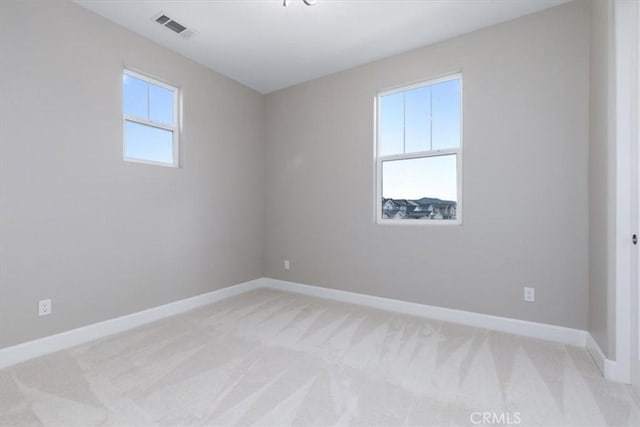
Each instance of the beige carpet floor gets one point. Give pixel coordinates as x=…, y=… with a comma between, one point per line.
x=277, y=359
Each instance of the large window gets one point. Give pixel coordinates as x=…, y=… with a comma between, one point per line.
x=150, y=120
x=419, y=153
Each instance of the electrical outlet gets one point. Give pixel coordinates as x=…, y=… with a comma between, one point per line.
x=44, y=307
x=530, y=294
x=287, y=265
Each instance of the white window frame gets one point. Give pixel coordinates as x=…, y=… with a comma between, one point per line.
x=417, y=155
x=175, y=129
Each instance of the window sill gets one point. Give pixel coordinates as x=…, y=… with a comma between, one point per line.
x=428, y=223
x=151, y=163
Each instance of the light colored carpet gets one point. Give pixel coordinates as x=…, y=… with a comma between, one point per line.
x=274, y=358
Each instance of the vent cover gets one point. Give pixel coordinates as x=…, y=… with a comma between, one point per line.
x=173, y=25
x=162, y=19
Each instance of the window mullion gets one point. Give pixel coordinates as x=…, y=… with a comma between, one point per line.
x=431, y=119
x=404, y=122
x=419, y=154
x=145, y=122
x=148, y=102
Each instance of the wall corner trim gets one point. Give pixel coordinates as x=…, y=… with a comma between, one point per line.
x=52, y=343
x=609, y=368
x=596, y=353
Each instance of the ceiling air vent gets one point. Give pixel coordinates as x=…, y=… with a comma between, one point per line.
x=162, y=19
x=174, y=26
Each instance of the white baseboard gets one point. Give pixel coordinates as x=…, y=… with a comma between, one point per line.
x=574, y=337
x=31, y=349
x=609, y=368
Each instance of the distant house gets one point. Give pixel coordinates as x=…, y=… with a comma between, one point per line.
x=420, y=208
x=388, y=205
x=400, y=215
x=389, y=208
x=424, y=208
x=405, y=206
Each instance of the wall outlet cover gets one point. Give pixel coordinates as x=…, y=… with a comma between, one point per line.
x=529, y=294
x=44, y=307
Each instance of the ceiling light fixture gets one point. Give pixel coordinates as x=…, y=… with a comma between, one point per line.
x=307, y=2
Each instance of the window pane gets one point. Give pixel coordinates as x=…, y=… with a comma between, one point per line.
x=148, y=143
x=161, y=105
x=391, y=126
x=446, y=114
x=423, y=188
x=134, y=97
x=417, y=119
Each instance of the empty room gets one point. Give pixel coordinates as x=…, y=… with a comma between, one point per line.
x=319, y=213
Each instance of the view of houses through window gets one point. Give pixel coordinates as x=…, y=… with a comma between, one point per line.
x=419, y=152
x=424, y=208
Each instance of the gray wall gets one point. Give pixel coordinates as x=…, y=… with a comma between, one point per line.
x=99, y=236
x=602, y=177
x=104, y=238
x=525, y=182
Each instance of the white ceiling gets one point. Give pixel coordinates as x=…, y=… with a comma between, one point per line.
x=267, y=47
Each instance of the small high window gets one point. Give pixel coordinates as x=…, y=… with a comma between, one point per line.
x=419, y=153
x=150, y=120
